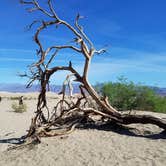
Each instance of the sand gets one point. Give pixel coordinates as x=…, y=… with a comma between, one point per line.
x=143, y=146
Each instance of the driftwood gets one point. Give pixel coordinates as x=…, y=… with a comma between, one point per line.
x=69, y=114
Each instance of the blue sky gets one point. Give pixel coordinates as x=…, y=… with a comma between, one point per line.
x=134, y=32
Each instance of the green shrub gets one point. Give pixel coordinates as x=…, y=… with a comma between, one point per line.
x=122, y=95
x=14, y=98
x=125, y=95
x=19, y=108
x=160, y=104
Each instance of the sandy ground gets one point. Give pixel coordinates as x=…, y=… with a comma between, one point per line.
x=143, y=146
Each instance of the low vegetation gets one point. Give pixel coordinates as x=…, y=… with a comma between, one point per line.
x=19, y=108
x=125, y=95
x=25, y=98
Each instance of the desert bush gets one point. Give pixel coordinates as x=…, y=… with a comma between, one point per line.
x=160, y=104
x=29, y=98
x=125, y=95
x=122, y=94
x=19, y=108
x=14, y=98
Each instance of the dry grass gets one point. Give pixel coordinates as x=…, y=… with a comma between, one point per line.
x=19, y=108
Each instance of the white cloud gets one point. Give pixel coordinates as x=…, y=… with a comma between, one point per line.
x=123, y=61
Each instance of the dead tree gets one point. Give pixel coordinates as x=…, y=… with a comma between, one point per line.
x=74, y=113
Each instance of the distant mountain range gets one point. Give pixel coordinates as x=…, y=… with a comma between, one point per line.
x=21, y=88
x=161, y=91
x=55, y=88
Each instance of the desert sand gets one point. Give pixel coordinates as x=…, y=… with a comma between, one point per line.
x=137, y=145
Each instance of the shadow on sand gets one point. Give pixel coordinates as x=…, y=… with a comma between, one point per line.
x=15, y=141
x=120, y=129
x=126, y=130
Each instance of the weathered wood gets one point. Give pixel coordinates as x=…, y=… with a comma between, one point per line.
x=144, y=119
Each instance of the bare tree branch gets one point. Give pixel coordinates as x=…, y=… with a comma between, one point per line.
x=41, y=9
x=101, y=51
x=26, y=2
x=52, y=10
x=52, y=57
x=82, y=32
x=64, y=47
x=34, y=22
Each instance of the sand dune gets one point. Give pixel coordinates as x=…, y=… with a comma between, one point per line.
x=143, y=146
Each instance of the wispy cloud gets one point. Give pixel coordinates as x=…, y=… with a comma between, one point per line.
x=11, y=50
x=137, y=65
x=16, y=59
x=132, y=63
